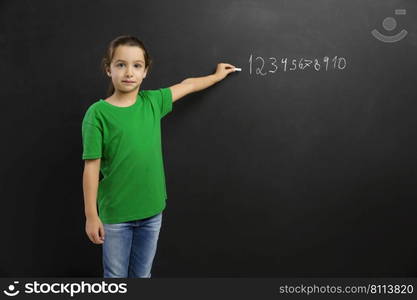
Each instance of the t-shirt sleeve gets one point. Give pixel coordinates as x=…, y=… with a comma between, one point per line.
x=163, y=98
x=92, y=137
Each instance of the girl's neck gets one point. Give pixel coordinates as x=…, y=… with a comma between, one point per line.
x=123, y=99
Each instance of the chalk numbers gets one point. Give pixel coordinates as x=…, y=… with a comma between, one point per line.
x=271, y=65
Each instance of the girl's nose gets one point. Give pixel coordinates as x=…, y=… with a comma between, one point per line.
x=129, y=71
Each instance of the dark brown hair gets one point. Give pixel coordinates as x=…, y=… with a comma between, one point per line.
x=126, y=40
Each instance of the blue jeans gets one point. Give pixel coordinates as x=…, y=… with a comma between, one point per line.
x=129, y=247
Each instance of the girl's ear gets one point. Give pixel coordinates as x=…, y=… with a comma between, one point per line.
x=108, y=71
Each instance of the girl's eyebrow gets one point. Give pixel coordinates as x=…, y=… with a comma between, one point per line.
x=125, y=61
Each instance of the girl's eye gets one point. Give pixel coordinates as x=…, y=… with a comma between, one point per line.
x=123, y=64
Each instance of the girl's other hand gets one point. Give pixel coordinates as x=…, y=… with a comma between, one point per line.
x=223, y=69
x=95, y=230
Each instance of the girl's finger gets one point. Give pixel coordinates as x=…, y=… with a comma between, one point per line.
x=96, y=238
x=91, y=237
x=102, y=232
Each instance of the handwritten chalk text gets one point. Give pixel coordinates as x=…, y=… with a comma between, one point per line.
x=271, y=65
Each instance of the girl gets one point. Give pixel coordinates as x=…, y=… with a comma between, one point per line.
x=122, y=139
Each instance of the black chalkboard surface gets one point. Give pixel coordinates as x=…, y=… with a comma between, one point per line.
x=302, y=164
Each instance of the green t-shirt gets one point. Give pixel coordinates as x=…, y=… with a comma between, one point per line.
x=128, y=140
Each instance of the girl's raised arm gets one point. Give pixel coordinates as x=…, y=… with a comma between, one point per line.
x=191, y=85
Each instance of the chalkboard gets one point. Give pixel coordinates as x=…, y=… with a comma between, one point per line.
x=302, y=164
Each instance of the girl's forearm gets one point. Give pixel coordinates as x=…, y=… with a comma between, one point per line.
x=201, y=83
x=90, y=187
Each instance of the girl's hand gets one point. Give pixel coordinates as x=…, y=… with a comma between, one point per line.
x=95, y=230
x=223, y=69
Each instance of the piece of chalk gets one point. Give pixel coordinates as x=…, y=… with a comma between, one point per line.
x=238, y=69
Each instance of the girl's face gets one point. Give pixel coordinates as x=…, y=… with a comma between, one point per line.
x=127, y=69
